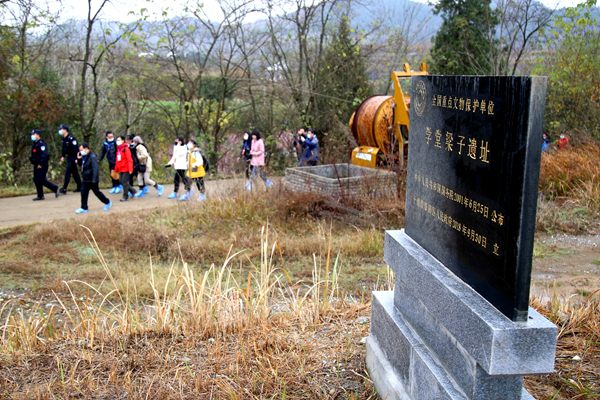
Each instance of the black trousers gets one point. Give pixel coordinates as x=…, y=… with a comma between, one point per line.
x=39, y=178
x=131, y=176
x=124, y=179
x=179, y=178
x=248, y=168
x=85, y=192
x=72, y=169
x=199, y=184
x=115, y=182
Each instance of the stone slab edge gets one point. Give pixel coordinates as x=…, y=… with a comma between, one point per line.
x=384, y=376
x=501, y=346
x=425, y=377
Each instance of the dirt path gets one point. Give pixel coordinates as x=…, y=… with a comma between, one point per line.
x=23, y=211
x=566, y=265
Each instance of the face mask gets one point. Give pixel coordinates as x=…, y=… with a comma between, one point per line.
x=245, y=137
x=190, y=146
x=83, y=153
x=60, y=133
x=119, y=142
x=562, y=136
x=110, y=140
x=33, y=137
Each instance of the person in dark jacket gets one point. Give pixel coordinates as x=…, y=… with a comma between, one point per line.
x=39, y=159
x=109, y=150
x=246, y=146
x=90, y=174
x=69, y=152
x=310, y=149
x=136, y=162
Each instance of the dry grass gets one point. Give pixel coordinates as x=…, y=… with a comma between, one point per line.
x=201, y=336
x=572, y=176
x=576, y=373
x=570, y=189
x=204, y=234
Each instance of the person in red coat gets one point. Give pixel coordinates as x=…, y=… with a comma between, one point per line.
x=124, y=166
x=562, y=142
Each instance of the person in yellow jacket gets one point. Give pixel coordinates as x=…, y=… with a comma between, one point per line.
x=195, y=171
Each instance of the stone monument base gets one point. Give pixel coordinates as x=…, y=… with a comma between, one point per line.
x=435, y=338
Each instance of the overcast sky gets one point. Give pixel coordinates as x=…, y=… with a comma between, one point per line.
x=118, y=10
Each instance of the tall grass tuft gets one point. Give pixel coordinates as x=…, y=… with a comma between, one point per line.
x=572, y=176
x=212, y=332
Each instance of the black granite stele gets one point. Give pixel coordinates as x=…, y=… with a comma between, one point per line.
x=472, y=182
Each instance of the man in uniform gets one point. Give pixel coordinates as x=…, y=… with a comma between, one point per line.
x=109, y=150
x=69, y=151
x=39, y=159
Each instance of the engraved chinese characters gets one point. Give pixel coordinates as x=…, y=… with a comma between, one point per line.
x=473, y=170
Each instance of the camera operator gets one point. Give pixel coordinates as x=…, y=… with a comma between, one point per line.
x=297, y=144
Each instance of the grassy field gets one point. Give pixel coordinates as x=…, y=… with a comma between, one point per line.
x=249, y=297
x=246, y=297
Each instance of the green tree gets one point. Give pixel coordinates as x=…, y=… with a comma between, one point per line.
x=466, y=42
x=29, y=95
x=573, y=101
x=344, y=84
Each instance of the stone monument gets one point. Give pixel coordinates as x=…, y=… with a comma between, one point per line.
x=458, y=324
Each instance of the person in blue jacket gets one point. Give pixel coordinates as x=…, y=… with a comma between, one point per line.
x=246, y=147
x=545, y=142
x=310, y=148
x=109, y=150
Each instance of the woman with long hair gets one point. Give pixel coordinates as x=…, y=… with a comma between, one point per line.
x=257, y=151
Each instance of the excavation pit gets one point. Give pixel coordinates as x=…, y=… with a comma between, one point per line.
x=341, y=180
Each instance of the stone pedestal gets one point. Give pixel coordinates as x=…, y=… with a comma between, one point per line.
x=435, y=338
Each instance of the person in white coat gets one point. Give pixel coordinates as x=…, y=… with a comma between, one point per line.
x=178, y=161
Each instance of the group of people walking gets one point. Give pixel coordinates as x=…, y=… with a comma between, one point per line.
x=127, y=157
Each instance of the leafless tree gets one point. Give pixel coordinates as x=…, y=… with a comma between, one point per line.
x=521, y=27
x=91, y=56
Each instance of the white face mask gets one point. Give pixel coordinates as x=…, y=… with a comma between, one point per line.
x=190, y=146
x=110, y=140
x=562, y=136
x=245, y=137
x=119, y=142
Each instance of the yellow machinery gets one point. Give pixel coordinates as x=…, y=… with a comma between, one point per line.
x=380, y=121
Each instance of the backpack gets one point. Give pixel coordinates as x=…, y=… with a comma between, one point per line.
x=136, y=163
x=205, y=163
